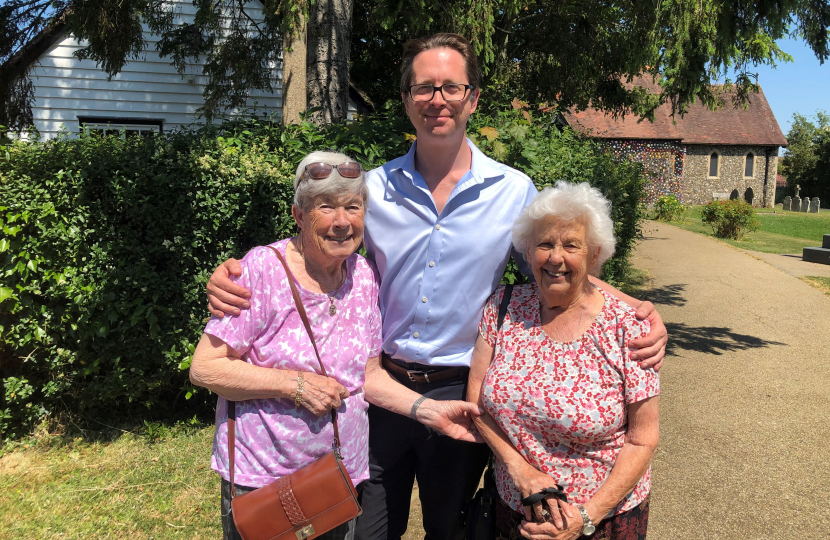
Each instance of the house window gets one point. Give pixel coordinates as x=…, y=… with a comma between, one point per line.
x=130, y=127
x=714, y=165
x=749, y=166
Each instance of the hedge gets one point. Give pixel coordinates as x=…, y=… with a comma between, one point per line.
x=107, y=244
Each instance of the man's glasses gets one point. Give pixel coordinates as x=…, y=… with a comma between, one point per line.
x=319, y=171
x=450, y=92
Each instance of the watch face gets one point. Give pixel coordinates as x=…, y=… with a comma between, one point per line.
x=588, y=529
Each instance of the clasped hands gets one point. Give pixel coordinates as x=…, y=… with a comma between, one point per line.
x=549, y=517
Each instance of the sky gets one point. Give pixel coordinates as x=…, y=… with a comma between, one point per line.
x=801, y=86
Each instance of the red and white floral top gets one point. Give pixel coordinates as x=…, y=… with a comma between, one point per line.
x=563, y=405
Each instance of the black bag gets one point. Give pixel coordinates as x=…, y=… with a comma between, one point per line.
x=481, y=512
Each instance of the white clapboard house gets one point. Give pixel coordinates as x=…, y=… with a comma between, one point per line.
x=148, y=96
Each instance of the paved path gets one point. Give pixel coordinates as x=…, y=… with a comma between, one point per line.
x=793, y=264
x=745, y=404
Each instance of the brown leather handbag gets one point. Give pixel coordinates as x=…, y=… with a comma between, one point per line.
x=306, y=503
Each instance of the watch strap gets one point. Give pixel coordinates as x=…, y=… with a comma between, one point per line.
x=588, y=526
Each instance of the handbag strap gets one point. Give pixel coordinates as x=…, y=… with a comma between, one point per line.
x=505, y=301
x=232, y=404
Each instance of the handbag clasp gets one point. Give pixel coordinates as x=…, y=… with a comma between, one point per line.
x=305, y=532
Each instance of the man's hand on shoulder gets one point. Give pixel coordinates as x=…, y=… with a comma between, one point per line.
x=650, y=349
x=452, y=418
x=224, y=296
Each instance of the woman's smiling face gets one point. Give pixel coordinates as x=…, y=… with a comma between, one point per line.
x=560, y=257
x=333, y=227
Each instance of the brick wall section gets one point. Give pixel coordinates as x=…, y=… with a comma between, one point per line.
x=698, y=187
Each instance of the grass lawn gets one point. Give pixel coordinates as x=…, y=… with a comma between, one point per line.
x=779, y=232
x=105, y=486
x=820, y=283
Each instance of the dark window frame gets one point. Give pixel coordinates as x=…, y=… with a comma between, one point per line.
x=119, y=122
x=717, y=156
x=749, y=161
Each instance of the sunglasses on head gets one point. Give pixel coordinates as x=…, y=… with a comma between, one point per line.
x=319, y=171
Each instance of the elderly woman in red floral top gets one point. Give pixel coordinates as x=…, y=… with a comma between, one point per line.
x=564, y=402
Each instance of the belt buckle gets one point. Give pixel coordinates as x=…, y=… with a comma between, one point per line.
x=411, y=373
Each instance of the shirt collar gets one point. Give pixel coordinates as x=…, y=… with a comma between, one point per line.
x=481, y=168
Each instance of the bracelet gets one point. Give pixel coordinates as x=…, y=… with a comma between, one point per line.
x=415, y=407
x=298, y=395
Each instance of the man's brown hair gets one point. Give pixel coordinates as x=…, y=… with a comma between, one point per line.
x=414, y=47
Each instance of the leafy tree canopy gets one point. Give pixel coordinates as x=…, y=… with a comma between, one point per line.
x=807, y=160
x=567, y=54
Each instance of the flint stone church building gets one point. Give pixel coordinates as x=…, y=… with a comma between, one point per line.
x=728, y=153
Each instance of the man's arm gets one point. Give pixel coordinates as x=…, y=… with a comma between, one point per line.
x=649, y=349
x=452, y=418
x=224, y=296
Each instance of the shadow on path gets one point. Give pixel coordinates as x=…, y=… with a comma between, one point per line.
x=668, y=295
x=711, y=340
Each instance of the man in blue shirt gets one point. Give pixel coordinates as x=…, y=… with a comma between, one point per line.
x=438, y=228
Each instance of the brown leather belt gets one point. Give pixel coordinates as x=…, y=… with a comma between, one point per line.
x=426, y=375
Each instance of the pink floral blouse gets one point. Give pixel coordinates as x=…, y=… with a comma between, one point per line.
x=563, y=405
x=273, y=437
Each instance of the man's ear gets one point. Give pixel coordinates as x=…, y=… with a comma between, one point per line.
x=474, y=99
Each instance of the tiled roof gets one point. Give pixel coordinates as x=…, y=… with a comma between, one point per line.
x=755, y=125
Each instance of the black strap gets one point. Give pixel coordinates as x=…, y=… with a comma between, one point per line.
x=543, y=494
x=505, y=300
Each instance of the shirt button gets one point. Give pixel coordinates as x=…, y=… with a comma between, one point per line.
x=431, y=264
x=438, y=227
x=424, y=299
x=415, y=335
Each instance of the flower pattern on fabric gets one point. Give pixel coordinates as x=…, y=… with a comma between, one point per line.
x=273, y=438
x=563, y=405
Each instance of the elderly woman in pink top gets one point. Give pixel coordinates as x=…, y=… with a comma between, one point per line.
x=565, y=403
x=263, y=359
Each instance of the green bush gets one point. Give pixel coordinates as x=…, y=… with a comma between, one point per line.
x=730, y=219
x=667, y=208
x=107, y=244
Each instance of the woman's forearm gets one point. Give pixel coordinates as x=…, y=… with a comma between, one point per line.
x=497, y=440
x=633, y=460
x=383, y=390
x=218, y=368
x=632, y=463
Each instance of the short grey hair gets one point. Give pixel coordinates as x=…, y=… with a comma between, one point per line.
x=306, y=192
x=570, y=202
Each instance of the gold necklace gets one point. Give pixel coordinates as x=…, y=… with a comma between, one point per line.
x=332, y=307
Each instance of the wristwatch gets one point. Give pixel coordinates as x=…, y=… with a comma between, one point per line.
x=587, y=525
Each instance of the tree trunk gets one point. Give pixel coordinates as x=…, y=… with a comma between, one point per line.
x=294, y=91
x=327, y=60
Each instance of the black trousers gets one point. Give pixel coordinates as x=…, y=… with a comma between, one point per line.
x=402, y=450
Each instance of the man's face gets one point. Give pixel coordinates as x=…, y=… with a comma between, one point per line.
x=439, y=118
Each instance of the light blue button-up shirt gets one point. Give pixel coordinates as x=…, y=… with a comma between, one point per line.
x=437, y=270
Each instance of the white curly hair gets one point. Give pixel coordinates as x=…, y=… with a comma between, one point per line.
x=570, y=202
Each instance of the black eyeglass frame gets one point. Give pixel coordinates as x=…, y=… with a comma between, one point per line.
x=467, y=88
x=307, y=172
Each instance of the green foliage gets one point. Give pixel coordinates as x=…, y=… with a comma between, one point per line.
x=566, y=53
x=730, y=219
x=107, y=244
x=807, y=159
x=668, y=208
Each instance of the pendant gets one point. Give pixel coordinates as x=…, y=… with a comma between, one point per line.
x=332, y=310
